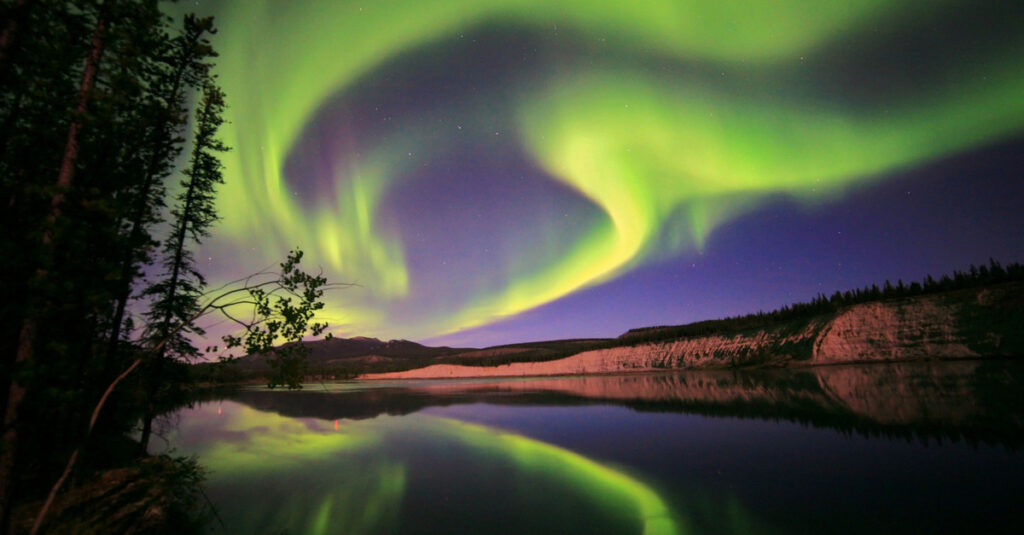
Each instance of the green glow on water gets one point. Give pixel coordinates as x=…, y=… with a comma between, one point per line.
x=267, y=442
x=593, y=478
x=367, y=501
x=353, y=480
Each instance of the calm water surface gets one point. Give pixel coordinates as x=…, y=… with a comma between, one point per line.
x=895, y=448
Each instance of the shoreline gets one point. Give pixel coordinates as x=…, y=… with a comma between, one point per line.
x=410, y=375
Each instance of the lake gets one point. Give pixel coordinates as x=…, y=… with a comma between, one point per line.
x=884, y=448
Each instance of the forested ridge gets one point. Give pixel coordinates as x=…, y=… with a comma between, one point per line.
x=973, y=277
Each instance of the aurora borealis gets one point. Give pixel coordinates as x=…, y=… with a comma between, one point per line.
x=505, y=170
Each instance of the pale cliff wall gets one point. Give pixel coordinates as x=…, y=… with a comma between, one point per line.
x=920, y=329
x=963, y=324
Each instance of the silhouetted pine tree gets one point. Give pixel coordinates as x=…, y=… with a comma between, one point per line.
x=82, y=86
x=165, y=114
x=175, y=298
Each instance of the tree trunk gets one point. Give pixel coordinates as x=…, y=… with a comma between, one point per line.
x=27, y=335
x=10, y=31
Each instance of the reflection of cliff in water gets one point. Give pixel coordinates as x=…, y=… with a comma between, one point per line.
x=976, y=401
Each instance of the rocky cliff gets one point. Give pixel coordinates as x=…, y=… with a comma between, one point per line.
x=971, y=323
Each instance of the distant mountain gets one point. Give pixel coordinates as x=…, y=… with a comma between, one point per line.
x=360, y=350
x=342, y=357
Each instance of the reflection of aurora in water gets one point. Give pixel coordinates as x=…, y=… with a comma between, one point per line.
x=351, y=480
x=592, y=477
x=516, y=463
x=635, y=118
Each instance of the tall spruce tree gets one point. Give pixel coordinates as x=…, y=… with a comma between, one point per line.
x=90, y=126
x=93, y=106
x=184, y=68
x=176, y=296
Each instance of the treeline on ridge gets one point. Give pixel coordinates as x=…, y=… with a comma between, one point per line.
x=974, y=276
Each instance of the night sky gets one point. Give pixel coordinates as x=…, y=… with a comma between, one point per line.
x=496, y=171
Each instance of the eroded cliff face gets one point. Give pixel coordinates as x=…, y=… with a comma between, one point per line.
x=921, y=329
x=702, y=352
x=963, y=324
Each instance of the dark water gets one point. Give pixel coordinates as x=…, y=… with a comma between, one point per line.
x=893, y=448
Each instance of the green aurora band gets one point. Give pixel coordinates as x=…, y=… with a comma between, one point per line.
x=665, y=159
